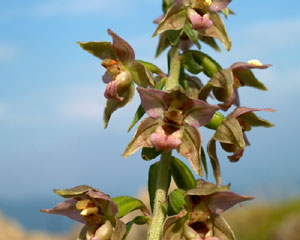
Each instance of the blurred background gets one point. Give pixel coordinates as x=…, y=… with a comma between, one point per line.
x=51, y=104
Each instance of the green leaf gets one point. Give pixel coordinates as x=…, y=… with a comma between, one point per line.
x=176, y=201
x=152, y=179
x=71, y=192
x=206, y=188
x=182, y=175
x=191, y=34
x=173, y=36
x=174, y=19
x=216, y=121
x=204, y=162
x=113, y=104
x=101, y=50
x=210, y=66
x=190, y=64
x=139, y=220
x=128, y=204
x=149, y=153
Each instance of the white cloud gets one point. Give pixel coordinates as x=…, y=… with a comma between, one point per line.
x=8, y=52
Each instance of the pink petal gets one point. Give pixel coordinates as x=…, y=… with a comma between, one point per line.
x=164, y=142
x=246, y=66
x=111, y=91
x=218, y=5
x=221, y=201
x=154, y=101
x=199, y=22
x=243, y=110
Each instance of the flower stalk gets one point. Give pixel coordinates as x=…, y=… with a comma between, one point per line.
x=173, y=79
x=156, y=223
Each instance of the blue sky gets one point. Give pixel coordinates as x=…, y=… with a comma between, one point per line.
x=51, y=96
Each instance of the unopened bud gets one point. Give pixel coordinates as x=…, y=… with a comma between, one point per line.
x=124, y=80
x=105, y=231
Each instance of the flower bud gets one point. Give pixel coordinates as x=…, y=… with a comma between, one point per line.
x=124, y=80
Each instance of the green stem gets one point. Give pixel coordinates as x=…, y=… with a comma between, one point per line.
x=156, y=223
x=173, y=79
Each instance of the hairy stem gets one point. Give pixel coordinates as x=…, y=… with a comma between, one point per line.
x=156, y=224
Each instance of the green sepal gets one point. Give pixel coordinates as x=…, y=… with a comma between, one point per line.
x=72, y=192
x=222, y=229
x=176, y=201
x=227, y=11
x=149, y=153
x=173, y=36
x=210, y=66
x=190, y=64
x=140, y=111
x=174, y=19
x=255, y=121
x=102, y=50
x=216, y=121
x=204, y=188
x=141, y=75
x=182, y=175
x=127, y=204
x=139, y=220
x=191, y=34
x=204, y=162
x=248, y=79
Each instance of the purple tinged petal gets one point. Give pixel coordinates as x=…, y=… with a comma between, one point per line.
x=124, y=51
x=221, y=201
x=218, y=5
x=243, y=110
x=236, y=156
x=66, y=208
x=154, y=101
x=164, y=142
x=246, y=66
x=111, y=91
x=106, y=78
x=199, y=22
x=198, y=113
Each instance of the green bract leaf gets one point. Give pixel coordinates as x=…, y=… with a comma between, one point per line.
x=182, y=175
x=71, y=192
x=176, y=201
x=174, y=19
x=113, y=104
x=163, y=43
x=206, y=188
x=152, y=179
x=142, y=136
x=150, y=153
x=191, y=34
x=101, y=50
x=139, y=220
x=128, y=204
x=173, y=36
x=190, y=148
x=222, y=228
x=210, y=66
x=152, y=68
x=217, y=30
x=190, y=64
